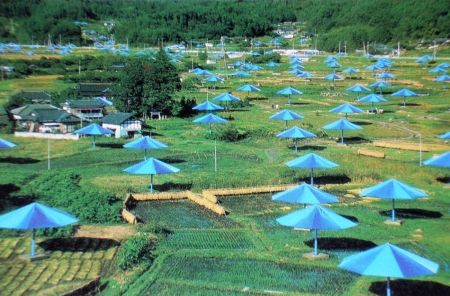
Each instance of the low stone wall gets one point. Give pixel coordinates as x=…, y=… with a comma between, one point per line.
x=160, y=196
x=248, y=190
x=206, y=203
x=47, y=136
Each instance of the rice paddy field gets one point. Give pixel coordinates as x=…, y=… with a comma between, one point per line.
x=247, y=252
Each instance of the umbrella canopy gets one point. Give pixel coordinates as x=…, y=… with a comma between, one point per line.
x=305, y=74
x=442, y=78
x=35, y=216
x=226, y=97
x=373, y=67
x=214, y=79
x=311, y=161
x=286, y=115
x=350, y=70
x=241, y=74
x=210, y=119
x=445, y=136
x=437, y=70
x=202, y=73
x=296, y=133
x=442, y=160
x=333, y=64
x=404, y=93
x=386, y=75
x=346, y=108
x=289, y=91
x=305, y=194
x=389, y=261
x=272, y=64
x=380, y=85
x=6, y=144
x=342, y=124
x=358, y=88
x=145, y=143
x=316, y=218
x=393, y=189
x=151, y=166
x=94, y=130
x=372, y=98
x=444, y=65
x=207, y=106
x=248, y=88
x=332, y=77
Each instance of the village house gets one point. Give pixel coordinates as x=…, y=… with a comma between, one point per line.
x=93, y=90
x=123, y=124
x=89, y=109
x=44, y=118
x=35, y=97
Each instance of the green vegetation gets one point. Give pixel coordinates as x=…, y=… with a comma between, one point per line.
x=135, y=250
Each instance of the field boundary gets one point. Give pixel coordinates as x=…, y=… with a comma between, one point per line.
x=207, y=199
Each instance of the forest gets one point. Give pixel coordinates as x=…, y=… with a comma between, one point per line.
x=151, y=21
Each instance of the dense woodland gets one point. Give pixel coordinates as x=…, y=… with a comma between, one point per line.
x=149, y=21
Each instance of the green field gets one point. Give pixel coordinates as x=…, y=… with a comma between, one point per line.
x=247, y=252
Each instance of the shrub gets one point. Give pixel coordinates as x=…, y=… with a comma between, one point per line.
x=229, y=133
x=135, y=250
x=184, y=107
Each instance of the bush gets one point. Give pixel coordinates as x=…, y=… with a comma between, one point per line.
x=135, y=250
x=184, y=107
x=229, y=133
x=265, y=58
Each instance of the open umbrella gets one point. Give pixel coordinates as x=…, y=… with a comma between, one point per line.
x=305, y=194
x=226, y=97
x=93, y=130
x=332, y=77
x=380, y=85
x=296, y=133
x=404, y=93
x=389, y=261
x=442, y=78
x=248, y=88
x=145, y=143
x=393, y=189
x=333, y=64
x=442, y=160
x=350, y=71
x=311, y=161
x=214, y=79
x=358, y=88
x=6, y=144
x=372, y=98
x=241, y=74
x=386, y=75
x=342, y=124
x=151, y=166
x=272, y=64
x=316, y=218
x=35, y=216
x=437, y=70
x=289, y=91
x=207, y=106
x=445, y=136
x=346, y=108
x=305, y=74
x=286, y=115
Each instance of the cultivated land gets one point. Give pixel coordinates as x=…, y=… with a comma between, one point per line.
x=247, y=252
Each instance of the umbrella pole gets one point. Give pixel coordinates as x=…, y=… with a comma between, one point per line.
x=215, y=155
x=342, y=136
x=312, y=181
x=151, y=183
x=404, y=102
x=145, y=154
x=346, y=115
x=393, y=210
x=315, y=242
x=295, y=143
x=33, y=243
x=286, y=122
x=388, y=287
x=289, y=99
x=93, y=143
x=210, y=129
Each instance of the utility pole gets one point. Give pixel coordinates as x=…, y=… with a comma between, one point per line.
x=339, y=52
x=345, y=48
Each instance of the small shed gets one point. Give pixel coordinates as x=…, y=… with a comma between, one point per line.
x=123, y=124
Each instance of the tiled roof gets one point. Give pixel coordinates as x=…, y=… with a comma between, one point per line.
x=44, y=113
x=85, y=104
x=117, y=118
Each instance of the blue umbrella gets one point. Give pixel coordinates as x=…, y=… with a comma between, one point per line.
x=210, y=119
x=350, y=70
x=214, y=79
x=442, y=160
x=296, y=133
x=380, y=85
x=296, y=67
x=311, y=161
x=151, y=166
x=346, y=108
x=296, y=71
x=241, y=74
x=305, y=194
x=332, y=77
x=35, y=216
x=393, y=189
x=442, y=78
x=226, y=97
x=286, y=115
x=404, y=93
x=203, y=73
x=305, y=74
x=444, y=65
x=389, y=261
x=374, y=68
x=6, y=144
x=93, y=130
x=425, y=59
x=289, y=91
x=145, y=143
x=437, y=70
x=386, y=75
x=445, y=136
x=342, y=124
x=372, y=98
x=272, y=64
x=316, y=218
x=207, y=106
x=358, y=88
x=333, y=64
x=248, y=88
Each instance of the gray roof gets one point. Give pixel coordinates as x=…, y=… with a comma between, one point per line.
x=117, y=118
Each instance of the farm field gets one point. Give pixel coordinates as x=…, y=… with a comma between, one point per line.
x=246, y=252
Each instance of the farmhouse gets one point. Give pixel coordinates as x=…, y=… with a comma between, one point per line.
x=44, y=118
x=36, y=97
x=89, y=109
x=123, y=124
x=92, y=90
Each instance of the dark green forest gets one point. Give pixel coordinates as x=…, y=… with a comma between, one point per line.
x=150, y=21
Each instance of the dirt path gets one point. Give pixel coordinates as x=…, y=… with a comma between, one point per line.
x=118, y=232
